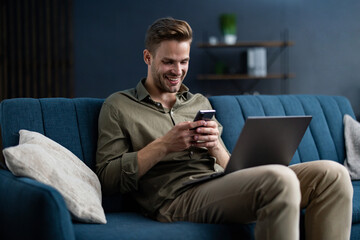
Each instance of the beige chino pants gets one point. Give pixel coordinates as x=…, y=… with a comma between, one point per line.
x=272, y=196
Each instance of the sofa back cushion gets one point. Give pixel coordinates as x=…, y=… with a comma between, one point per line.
x=69, y=122
x=73, y=122
x=324, y=138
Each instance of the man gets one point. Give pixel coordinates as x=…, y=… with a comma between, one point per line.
x=148, y=146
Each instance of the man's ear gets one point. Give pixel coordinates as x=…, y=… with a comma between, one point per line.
x=147, y=57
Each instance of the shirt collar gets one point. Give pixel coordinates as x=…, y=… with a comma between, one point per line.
x=142, y=93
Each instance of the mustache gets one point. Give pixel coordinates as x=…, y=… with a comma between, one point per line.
x=174, y=75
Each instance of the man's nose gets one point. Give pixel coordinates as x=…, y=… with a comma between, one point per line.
x=176, y=69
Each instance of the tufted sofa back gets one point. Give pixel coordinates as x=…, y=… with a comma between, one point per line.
x=324, y=138
x=70, y=122
x=73, y=122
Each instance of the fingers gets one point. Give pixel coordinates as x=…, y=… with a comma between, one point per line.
x=206, y=135
x=210, y=128
x=192, y=125
x=206, y=144
x=205, y=138
x=189, y=125
x=183, y=135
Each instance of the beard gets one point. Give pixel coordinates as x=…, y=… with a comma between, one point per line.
x=165, y=81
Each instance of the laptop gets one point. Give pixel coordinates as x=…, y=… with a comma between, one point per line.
x=263, y=140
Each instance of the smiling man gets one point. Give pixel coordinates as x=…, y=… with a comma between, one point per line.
x=168, y=67
x=149, y=146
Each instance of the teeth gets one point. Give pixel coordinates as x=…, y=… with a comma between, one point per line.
x=173, y=79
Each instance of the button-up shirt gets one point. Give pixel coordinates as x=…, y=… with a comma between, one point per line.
x=128, y=121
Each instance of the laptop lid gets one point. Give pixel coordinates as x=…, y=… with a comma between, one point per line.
x=267, y=140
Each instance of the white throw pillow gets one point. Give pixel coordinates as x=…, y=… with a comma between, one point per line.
x=46, y=161
x=352, y=145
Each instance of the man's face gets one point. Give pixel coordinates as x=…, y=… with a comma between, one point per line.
x=169, y=65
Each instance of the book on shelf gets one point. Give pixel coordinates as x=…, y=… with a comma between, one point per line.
x=256, y=62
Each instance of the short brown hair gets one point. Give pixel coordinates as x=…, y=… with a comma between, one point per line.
x=167, y=29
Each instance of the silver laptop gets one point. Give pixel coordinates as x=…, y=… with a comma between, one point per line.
x=263, y=140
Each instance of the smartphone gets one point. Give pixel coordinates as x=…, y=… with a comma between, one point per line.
x=204, y=115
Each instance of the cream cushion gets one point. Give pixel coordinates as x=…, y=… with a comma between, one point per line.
x=46, y=161
x=352, y=146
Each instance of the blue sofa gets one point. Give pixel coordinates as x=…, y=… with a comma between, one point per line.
x=32, y=210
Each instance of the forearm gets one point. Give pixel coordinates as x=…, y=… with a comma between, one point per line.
x=150, y=155
x=124, y=172
x=222, y=156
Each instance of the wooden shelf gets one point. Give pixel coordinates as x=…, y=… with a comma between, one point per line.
x=247, y=44
x=242, y=76
x=282, y=51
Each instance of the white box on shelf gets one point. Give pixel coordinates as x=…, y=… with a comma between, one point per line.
x=256, y=62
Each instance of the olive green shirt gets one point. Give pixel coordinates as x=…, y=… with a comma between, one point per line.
x=128, y=121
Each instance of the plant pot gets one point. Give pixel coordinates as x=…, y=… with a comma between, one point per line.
x=230, y=39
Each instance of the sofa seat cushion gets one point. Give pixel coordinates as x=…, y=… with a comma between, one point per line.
x=128, y=225
x=356, y=202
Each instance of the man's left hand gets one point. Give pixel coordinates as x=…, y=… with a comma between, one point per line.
x=207, y=135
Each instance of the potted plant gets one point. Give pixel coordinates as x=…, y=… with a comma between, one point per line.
x=228, y=27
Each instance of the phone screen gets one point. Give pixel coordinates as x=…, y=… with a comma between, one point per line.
x=204, y=115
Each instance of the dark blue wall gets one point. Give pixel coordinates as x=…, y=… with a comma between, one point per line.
x=109, y=39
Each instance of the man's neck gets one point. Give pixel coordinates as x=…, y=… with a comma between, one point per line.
x=166, y=99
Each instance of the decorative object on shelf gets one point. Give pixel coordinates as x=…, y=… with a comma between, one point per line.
x=228, y=27
x=213, y=40
x=256, y=62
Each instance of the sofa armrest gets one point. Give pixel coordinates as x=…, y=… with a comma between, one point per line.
x=32, y=210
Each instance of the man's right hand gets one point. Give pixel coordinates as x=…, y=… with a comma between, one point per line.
x=179, y=138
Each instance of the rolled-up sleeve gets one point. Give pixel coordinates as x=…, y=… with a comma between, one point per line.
x=116, y=165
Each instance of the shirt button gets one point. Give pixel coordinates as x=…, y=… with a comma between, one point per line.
x=191, y=153
x=158, y=104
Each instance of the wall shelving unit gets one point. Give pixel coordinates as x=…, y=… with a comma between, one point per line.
x=282, y=53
